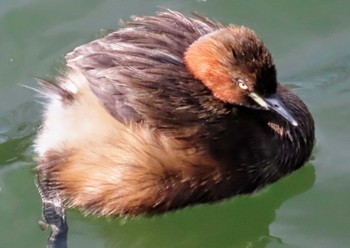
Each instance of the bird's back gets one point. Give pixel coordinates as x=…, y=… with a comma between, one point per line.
x=138, y=72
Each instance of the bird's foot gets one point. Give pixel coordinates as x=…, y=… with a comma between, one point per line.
x=54, y=216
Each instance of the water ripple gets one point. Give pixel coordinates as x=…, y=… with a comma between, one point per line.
x=17, y=129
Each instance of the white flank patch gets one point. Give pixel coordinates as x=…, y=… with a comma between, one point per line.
x=72, y=124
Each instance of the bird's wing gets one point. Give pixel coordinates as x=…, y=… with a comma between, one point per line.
x=138, y=73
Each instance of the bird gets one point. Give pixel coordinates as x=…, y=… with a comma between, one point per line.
x=166, y=112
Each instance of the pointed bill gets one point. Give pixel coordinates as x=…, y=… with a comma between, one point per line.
x=275, y=104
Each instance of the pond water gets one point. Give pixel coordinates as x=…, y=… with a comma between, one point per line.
x=310, y=44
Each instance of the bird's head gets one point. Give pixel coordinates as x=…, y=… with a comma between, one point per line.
x=237, y=67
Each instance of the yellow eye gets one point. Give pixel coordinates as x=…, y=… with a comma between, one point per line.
x=242, y=85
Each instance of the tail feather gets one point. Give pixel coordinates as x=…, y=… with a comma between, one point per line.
x=49, y=88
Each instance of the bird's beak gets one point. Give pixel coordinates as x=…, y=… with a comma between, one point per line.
x=275, y=104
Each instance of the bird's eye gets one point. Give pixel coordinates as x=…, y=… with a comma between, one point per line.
x=242, y=85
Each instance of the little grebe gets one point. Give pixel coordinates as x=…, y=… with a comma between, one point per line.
x=166, y=112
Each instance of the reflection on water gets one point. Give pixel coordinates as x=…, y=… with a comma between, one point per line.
x=309, y=42
x=241, y=222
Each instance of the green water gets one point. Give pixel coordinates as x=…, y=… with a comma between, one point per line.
x=310, y=44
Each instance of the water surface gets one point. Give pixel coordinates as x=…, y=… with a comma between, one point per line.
x=310, y=44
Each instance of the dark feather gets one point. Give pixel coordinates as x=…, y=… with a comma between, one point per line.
x=138, y=72
x=139, y=75
x=52, y=87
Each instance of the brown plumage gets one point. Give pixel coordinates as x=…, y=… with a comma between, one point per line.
x=166, y=112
